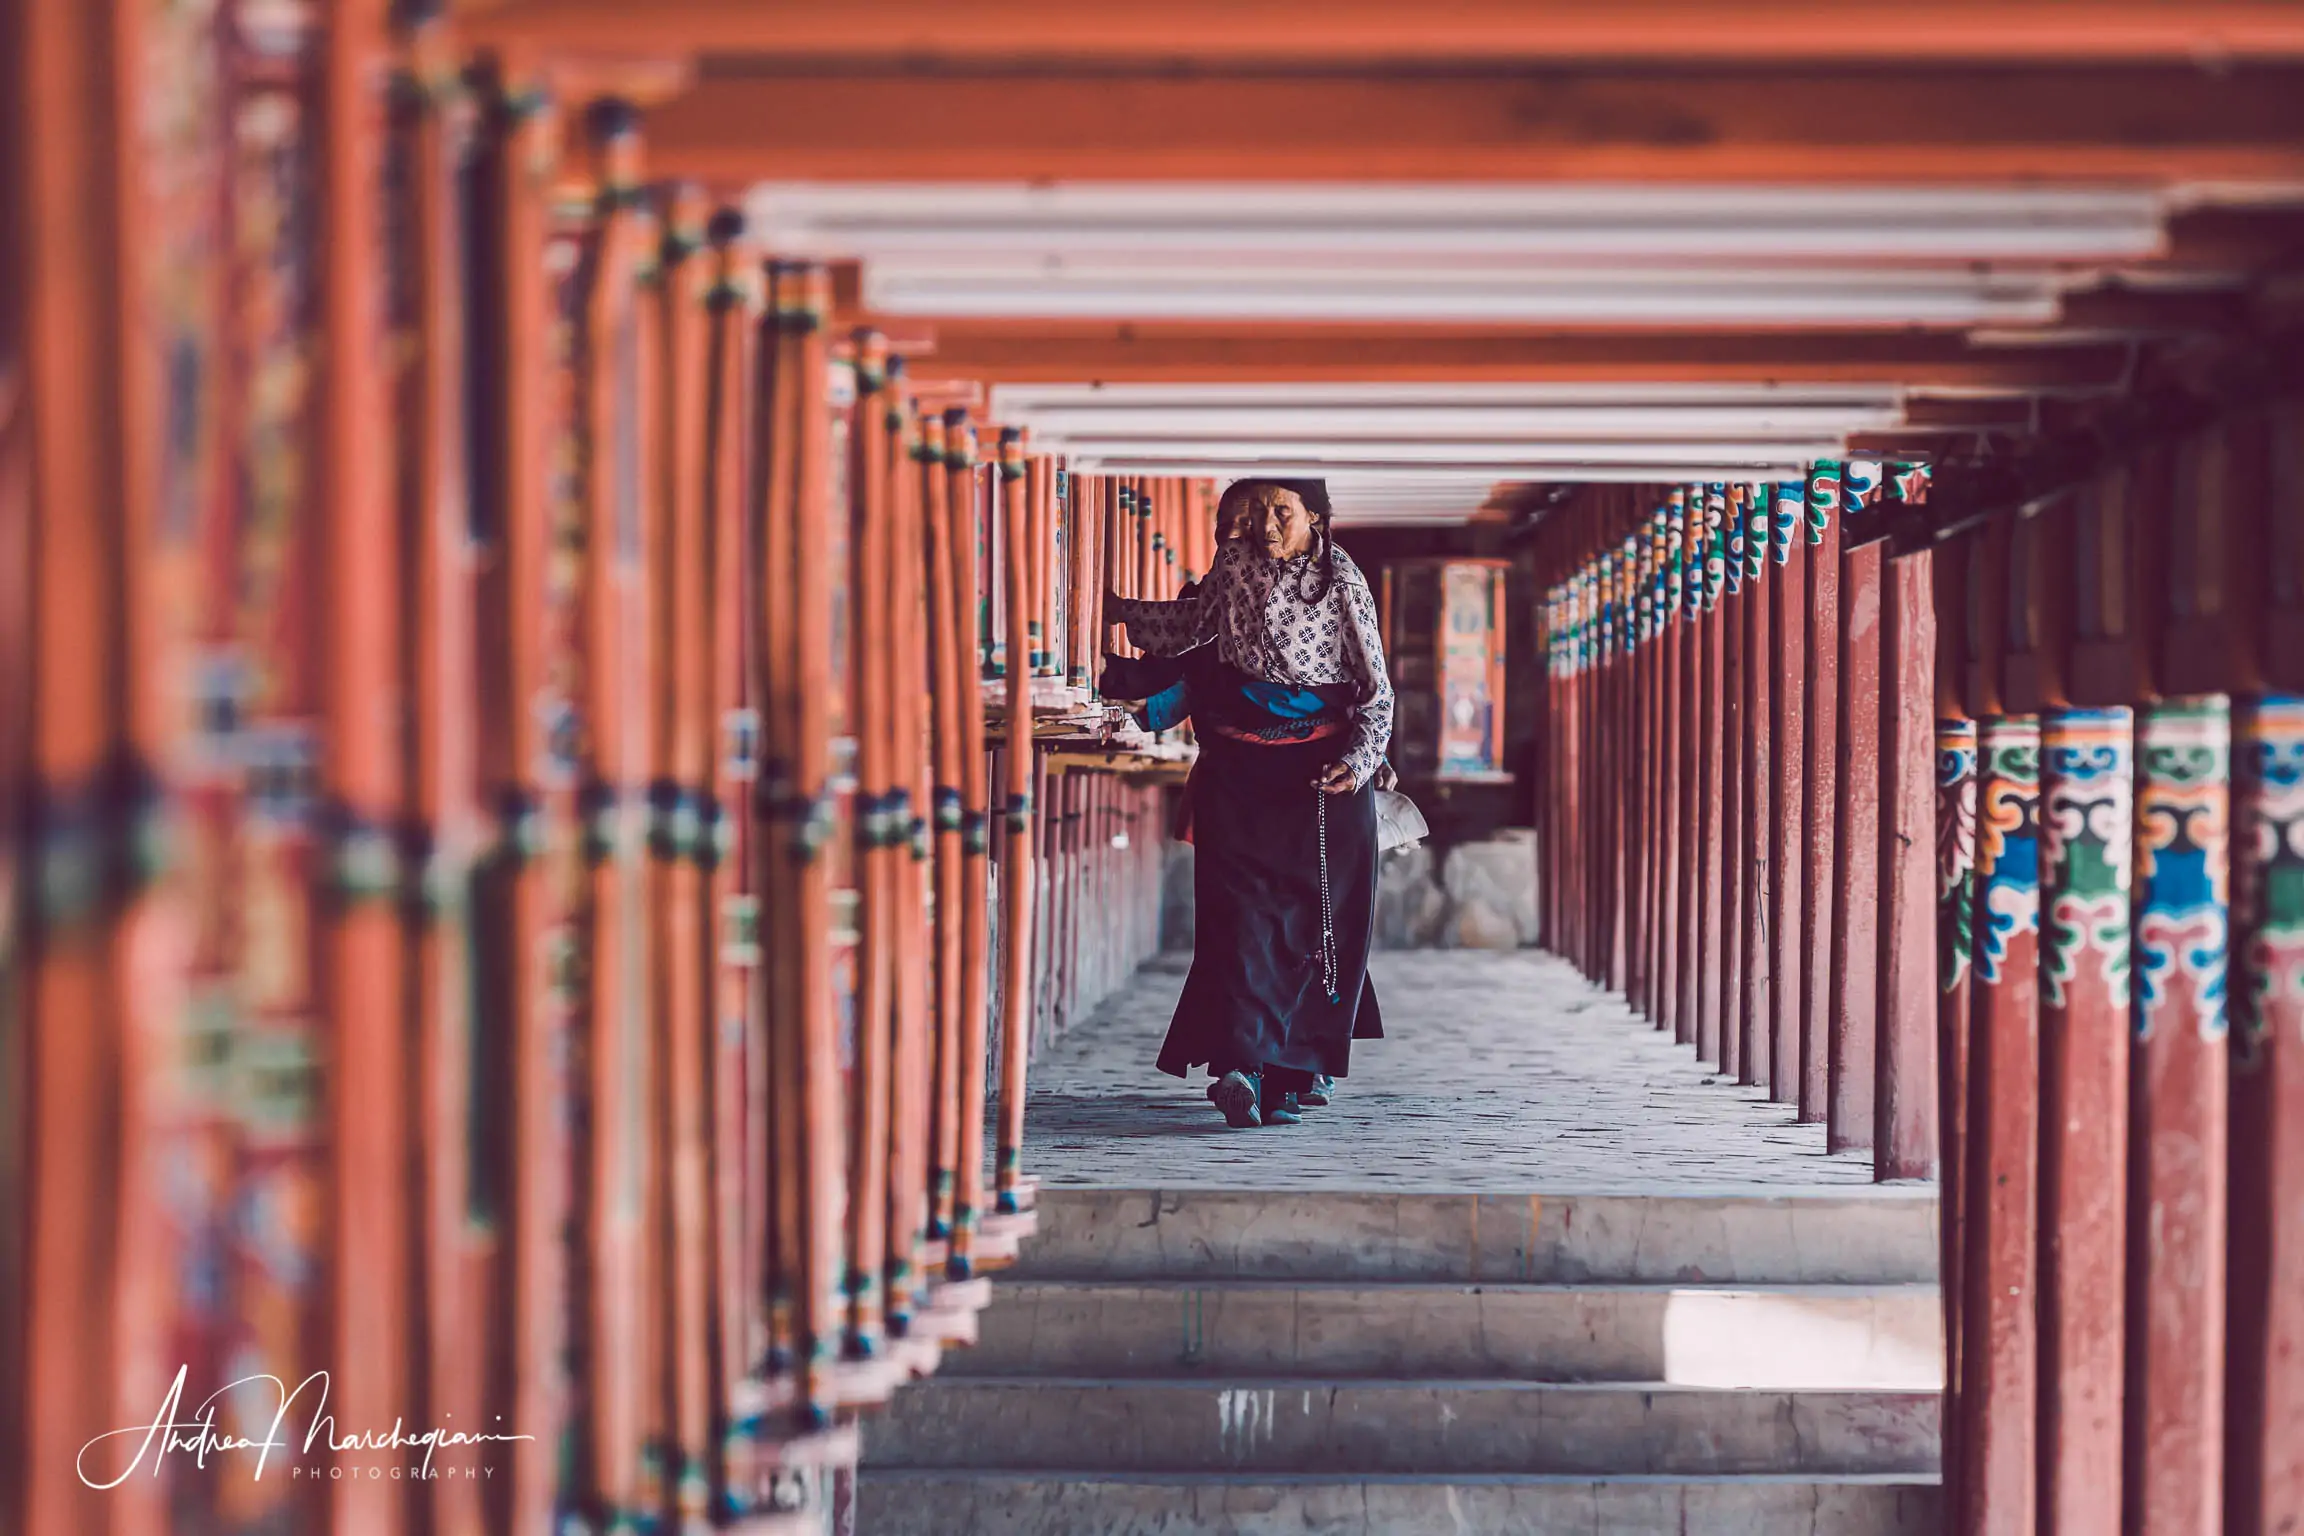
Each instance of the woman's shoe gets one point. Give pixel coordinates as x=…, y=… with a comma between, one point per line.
x=1317, y=1096
x=1280, y=1109
x=1238, y=1095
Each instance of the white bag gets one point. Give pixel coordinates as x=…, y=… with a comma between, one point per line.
x=1398, y=823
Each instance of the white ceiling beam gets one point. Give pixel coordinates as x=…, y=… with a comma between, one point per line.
x=1017, y=398
x=1524, y=222
x=1090, y=425
x=1852, y=296
x=1405, y=453
x=1337, y=472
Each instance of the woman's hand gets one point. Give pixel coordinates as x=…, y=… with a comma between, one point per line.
x=1336, y=779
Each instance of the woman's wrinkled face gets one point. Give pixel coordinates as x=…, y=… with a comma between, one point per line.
x=1277, y=522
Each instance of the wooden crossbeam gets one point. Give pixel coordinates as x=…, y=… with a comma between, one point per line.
x=1112, y=352
x=749, y=119
x=1336, y=30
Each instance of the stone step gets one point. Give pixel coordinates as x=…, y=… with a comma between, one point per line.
x=1305, y=1426
x=941, y=1503
x=1879, y=1235
x=1811, y=1337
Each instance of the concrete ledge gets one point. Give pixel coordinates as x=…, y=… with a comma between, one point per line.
x=1815, y=1337
x=1056, y=1504
x=1869, y=1236
x=1430, y=1427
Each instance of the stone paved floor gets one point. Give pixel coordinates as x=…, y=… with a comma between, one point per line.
x=1501, y=1071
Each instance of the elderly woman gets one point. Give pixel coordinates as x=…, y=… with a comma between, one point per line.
x=1293, y=711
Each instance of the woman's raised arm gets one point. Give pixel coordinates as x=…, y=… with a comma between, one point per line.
x=1174, y=626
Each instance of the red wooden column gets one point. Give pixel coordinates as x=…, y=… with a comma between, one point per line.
x=869, y=529
x=1999, y=1351
x=2086, y=853
x=1688, y=817
x=1577, y=778
x=1656, y=765
x=1672, y=822
x=1735, y=765
x=1905, y=1147
x=1016, y=861
x=966, y=510
x=1756, y=1001
x=1592, y=771
x=1664, y=952
x=1956, y=794
x=2265, y=1461
x=1820, y=707
x=2234, y=573
x=63, y=528
x=2180, y=1105
x=1788, y=605
x=1626, y=751
x=1853, y=950
x=366, y=699
x=1956, y=758
x=434, y=488
x=1711, y=795
x=1639, y=770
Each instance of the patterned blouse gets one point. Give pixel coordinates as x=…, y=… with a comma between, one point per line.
x=1253, y=607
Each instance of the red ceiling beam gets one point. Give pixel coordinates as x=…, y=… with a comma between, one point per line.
x=1619, y=123
x=1063, y=352
x=1336, y=31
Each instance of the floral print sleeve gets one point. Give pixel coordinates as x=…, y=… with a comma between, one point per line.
x=1176, y=626
x=1364, y=665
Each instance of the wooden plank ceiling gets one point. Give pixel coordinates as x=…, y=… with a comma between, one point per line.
x=1444, y=252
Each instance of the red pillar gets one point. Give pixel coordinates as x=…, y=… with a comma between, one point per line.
x=2000, y=1155
x=1711, y=791
x=1853, y=950
x=1736, y=839
x=1789, y=604
x=2179, y=1106
x=1671, y=820
x=1906, y=1103
x=2265, y=1395
x=2086, y=852
x=1755, y=1010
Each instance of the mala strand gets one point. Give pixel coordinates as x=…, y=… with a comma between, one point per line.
x=1327, y=907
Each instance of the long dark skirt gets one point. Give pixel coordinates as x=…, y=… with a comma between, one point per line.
x=1255, y=995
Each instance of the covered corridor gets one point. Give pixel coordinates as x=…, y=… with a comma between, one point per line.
x=564, y=881
x=1507, y=1072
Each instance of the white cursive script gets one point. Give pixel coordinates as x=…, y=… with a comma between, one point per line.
x=169, y=1434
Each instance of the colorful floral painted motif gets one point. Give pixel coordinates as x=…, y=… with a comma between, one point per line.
x=2268, y=882
x=1955, y=847
x=2008, y=841
x=1756, y=531
x=1715, y=542
x=2183, y=785
x=1734, y=569
x=1790, y=497
x=1676, y=585
x=2087, y=850
x=1823, y=496
x=1859, y=484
